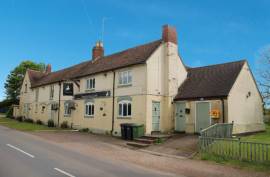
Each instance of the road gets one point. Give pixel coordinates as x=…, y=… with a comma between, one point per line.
x=24, y=155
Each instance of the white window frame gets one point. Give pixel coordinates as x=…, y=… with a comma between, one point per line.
x=125, y=78
x=89, y=109
x=121, y=105
x=90, y=84
x=67, y=110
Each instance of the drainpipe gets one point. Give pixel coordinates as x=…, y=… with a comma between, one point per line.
x=59, y=103
x=113, y=103
x=223, y=110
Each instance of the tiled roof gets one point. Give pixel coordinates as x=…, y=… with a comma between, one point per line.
x=129, y=57
x=214, y=81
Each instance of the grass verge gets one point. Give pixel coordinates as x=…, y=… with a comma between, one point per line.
x=24, y=126
x=263, y=137
x=263, y=167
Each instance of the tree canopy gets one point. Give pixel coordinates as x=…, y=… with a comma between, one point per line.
x=264, y=75
x=15, y=78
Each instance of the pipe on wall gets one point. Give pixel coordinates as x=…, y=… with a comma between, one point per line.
x=113, y=97
x=59, y=102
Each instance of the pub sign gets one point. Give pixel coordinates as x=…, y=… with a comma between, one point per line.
x=68, y=89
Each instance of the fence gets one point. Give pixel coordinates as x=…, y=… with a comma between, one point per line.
x=219, y=130
x=235, y=149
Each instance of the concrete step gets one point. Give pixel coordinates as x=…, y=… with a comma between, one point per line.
x=154, y=137
x=138, y=145
x=144, y=140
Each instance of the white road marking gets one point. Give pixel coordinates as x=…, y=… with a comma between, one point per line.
x=65, y=173
x=18, y=149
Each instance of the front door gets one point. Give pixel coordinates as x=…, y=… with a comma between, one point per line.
x=180, y=117
x=155, y=116
x=202, y=115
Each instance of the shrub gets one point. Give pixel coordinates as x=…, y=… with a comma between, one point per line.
x=39, y=122
x=20, y=118
x=28, y=120
x=84, y=130
x=50, y=123
x=64, y=124
x=9, y=113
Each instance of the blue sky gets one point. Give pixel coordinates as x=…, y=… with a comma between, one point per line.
x=62, y=32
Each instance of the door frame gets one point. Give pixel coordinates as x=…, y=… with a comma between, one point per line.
x=159, y=116
x=195, y=121
x=175, y=103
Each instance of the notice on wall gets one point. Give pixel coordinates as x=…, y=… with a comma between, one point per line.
x=215, y=113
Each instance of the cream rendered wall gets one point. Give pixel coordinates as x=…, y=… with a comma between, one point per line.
x=165, y=73
x=104, y=82
x=101, y=122
x=246, y=112
x=191, y=117
x=26, y=97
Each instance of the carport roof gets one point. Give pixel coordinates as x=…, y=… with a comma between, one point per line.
x=209, y=82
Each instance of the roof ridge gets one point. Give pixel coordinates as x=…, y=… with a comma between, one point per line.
x=88, y=61
x=137, y=46
x=212, y=65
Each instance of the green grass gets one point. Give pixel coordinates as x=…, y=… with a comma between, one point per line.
x=228, y=149
x=263, y=137
x=23, y=126
x=236, y=163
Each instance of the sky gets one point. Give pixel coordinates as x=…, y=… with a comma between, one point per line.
x=63, y=32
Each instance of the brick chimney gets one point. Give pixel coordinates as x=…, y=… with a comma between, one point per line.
x=97, y=51
x=48, y=69
x=169, y=34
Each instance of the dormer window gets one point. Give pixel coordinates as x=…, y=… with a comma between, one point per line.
x=90, y=84
x=124, y=78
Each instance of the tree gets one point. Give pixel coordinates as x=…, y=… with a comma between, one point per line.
x=15, y=78
x=264, y=74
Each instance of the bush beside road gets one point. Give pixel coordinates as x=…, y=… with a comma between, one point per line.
x=23, y=126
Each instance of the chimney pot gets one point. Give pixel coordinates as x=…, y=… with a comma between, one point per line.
x=48, y=69
x=169, y=34
x=97, y=51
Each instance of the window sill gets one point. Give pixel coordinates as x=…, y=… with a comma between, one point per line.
x=124, y=85
x=121, y=117
x=90, y=90
x=67, y=115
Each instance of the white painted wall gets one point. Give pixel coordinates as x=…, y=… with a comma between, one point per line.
x=246, y=112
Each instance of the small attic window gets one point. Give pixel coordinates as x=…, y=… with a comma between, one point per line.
x=25, y=88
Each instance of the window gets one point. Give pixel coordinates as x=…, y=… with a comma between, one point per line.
x=125, y=78
x=67, y=110
x=51, y=92
x=36, y=94
x=90, y=84
x=124, y=108
x=36, y=108
x=25, y=88
x=89, y=109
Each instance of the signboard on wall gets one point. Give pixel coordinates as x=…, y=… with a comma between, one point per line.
x=68, y=89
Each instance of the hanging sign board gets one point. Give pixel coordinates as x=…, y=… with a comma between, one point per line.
x=68, y=89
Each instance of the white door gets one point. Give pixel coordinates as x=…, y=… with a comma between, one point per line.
x=180, y=117
x=155, y=116
x=202, y=116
